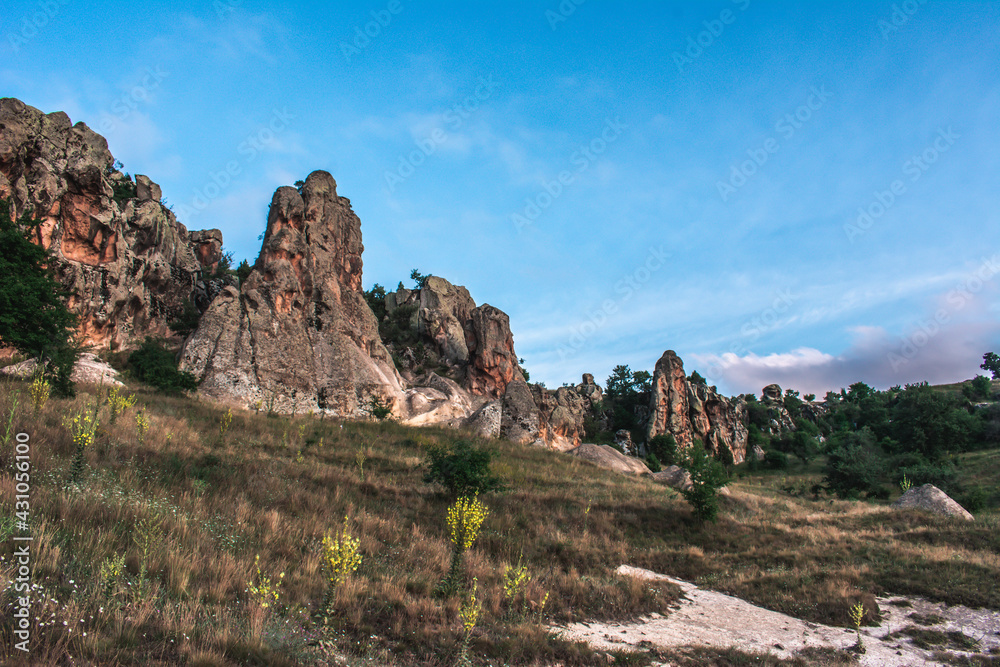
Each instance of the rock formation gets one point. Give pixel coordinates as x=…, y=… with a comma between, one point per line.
x=472, y=343
x=932, y=499
x=694, y=411
x=562, y=412
x=298, y=335
x=127, y=261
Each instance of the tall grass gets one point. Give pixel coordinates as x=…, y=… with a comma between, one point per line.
x=192, y=511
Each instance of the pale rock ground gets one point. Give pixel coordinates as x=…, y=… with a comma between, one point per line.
x=88, y=370
x=708, y=618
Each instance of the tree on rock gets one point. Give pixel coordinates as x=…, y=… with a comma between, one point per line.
x=34, y=320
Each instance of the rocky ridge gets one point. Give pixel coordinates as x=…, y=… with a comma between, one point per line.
x=121, y=253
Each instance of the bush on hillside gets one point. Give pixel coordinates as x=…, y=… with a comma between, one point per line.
x=462, y=469
x=707, y=477
x=156, y=365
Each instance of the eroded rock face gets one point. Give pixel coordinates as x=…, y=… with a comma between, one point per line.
x=695, y=411
x=474, y=342
x=298, y=335
x=562, y=412
x=128, y=262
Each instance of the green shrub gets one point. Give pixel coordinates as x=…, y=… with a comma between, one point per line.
x=664, y=448
x=187, y=322
x=707, y=477
x=653, y=463
x=154, y=364
x=462, y=469
x=775, y=460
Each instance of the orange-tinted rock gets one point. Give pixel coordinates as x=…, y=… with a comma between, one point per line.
x=128, y=263
x=298, y=335
x=695, y=412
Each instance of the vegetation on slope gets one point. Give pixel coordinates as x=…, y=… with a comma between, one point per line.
x=153, y=556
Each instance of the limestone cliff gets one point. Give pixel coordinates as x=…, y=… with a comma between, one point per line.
x=298, y=335
x=127, y=261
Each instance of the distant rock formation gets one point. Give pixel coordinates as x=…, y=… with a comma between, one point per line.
x=691, y=411
x=932, y=499
x=128, y=262
x=298, y=335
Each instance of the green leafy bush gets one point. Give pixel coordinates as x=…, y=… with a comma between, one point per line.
x=664, y=448
x=156, y=365
x=653, y=463
x=462, y=469
x=707, y=477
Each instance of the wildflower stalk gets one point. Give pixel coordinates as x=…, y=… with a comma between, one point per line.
x=118, y=403
x=83, y=428
x=857, y=613
x=465, y=518
x=340, y=559
x=468, y=614
x=40, y=390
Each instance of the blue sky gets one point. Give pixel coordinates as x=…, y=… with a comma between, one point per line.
x=621, y=179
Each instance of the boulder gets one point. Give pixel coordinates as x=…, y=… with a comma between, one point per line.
x=609, y=458
x=932, y=499
x=486, y=421
x=692, y=411
x=87, y=370
x=298, y=335
x=126, y=260
x=675, y=477
x=519, y=421
x=473, y=342
x=445, y=310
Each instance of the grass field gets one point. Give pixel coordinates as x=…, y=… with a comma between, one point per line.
x=191, y=508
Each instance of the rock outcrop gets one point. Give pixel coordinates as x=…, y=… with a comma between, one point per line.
x=691, y=411
x=473, y=343
x=298, y=335
x=124, y=257
x=562, y=412
x=932, y=499
x=609, y=458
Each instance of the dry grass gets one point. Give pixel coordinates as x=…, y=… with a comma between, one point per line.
x=274, y=486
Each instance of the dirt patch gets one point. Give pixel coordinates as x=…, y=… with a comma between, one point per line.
x=710, y=619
